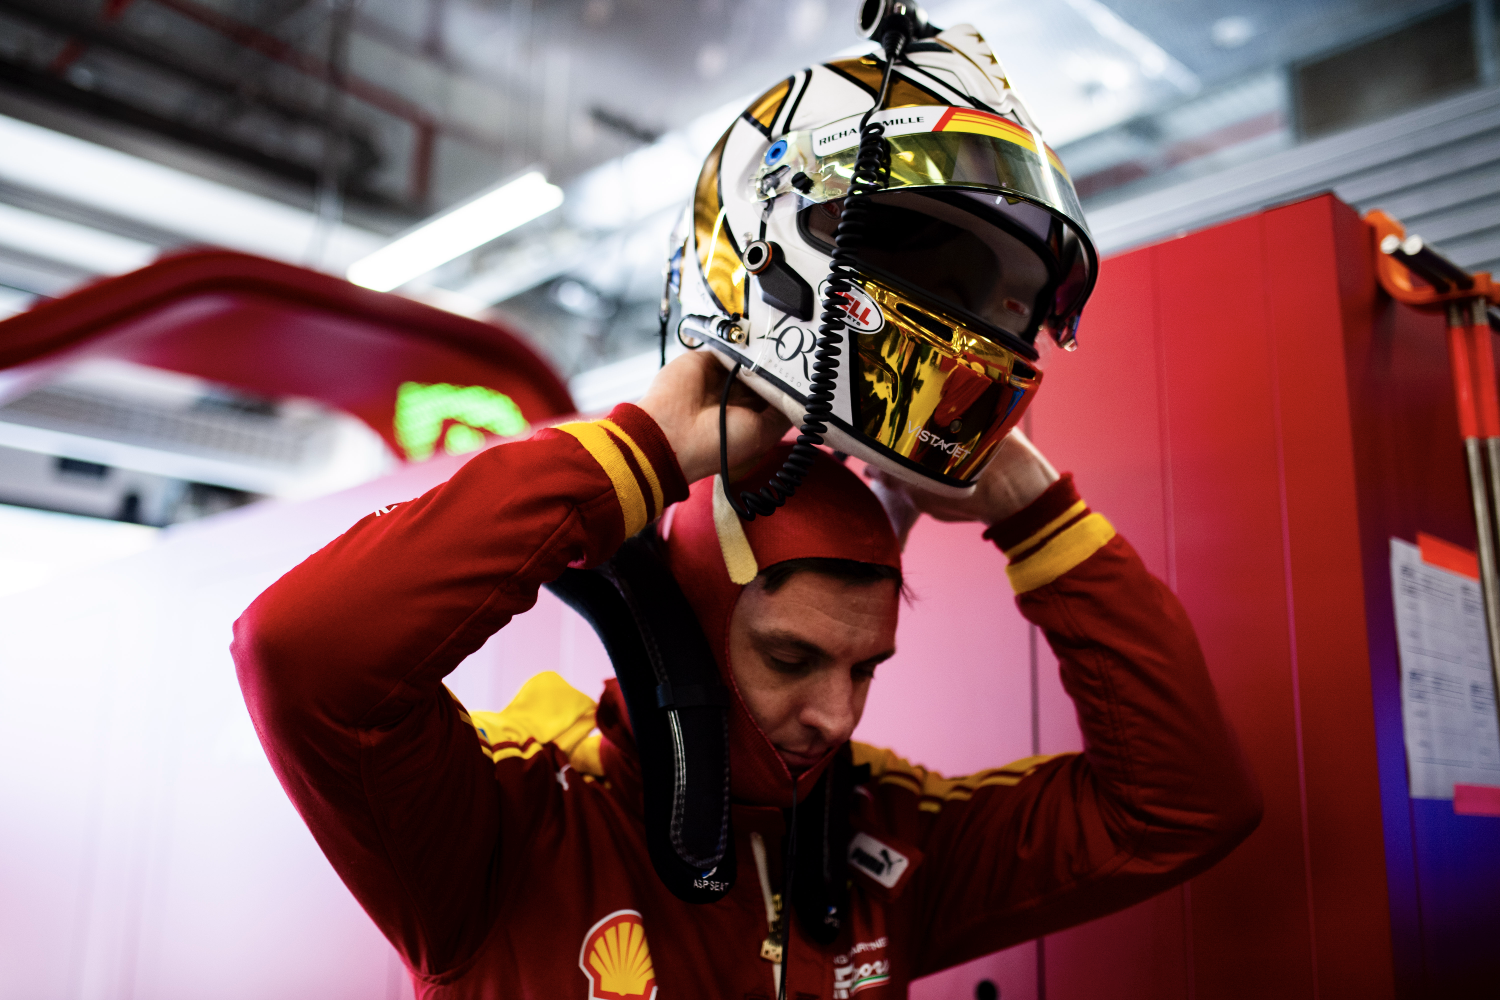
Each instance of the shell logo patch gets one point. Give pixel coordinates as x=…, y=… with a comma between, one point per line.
x=616, y=960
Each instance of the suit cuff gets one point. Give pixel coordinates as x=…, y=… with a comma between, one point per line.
x=1054, y=533
x=641, y=465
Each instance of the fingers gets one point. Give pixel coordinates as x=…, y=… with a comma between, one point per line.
x=753, y=432
x=919, y=500
x=742, y=395
x=898, y=504
x=711, y=374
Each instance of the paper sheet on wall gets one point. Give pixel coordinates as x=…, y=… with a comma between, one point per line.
x=1447, y=691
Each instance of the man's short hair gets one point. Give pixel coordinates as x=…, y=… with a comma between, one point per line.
x=846, y=570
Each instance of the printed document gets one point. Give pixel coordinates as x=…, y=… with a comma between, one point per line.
x=1447, y=690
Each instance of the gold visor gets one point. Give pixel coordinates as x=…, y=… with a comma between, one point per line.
x=935, y=394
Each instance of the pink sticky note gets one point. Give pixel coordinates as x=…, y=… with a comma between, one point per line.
x=1476, y=800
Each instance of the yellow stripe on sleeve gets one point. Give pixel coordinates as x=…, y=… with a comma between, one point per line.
x=1026, y=765
x=888, y=769
x=1061, y=554
x=640, y=457
x=1035, y=539
x=595, y=440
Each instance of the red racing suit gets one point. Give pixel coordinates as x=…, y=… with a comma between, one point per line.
x=503, y=854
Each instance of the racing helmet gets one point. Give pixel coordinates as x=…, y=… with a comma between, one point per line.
x=975, y=245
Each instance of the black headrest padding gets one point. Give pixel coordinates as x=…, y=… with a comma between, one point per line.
x=656, y=645
x=691, y=696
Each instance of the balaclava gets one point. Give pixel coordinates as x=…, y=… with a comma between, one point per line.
x=834, y=515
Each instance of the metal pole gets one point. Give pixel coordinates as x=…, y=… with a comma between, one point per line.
x=1468, y=423
x=1489, y=579
x=1481, y=351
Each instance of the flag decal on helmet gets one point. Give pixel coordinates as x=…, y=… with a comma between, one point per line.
x=984, y=123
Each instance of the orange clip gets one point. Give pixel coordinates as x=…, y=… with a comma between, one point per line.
x=1403, y=286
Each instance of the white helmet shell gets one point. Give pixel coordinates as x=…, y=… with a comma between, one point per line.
x=977, y=243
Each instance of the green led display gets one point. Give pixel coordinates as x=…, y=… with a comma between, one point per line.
x=422, y=412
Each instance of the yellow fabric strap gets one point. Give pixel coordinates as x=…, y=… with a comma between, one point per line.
x=739, y=557
x=1061, y=554
x=1032, y=541
x=640, y=457
x=586, y=758
x=547, y=709
x=596, y=441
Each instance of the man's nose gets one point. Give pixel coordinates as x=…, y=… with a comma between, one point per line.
x=829, y=706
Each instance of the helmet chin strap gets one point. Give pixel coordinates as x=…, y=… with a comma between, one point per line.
x=898, y=22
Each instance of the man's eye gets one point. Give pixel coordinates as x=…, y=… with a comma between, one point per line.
x=863, y=673
x=787, y=666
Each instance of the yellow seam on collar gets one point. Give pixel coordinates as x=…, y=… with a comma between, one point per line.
x=640, y=457
x=596, y=442
x=1032, y=541
x=1061, y=554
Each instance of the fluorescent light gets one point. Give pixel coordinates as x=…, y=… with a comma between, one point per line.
x=1154, y=60
x=82, y=246
x=456, y=232
x=173, y=200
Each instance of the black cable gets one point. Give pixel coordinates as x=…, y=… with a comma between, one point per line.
x=724, y=422
x=871, y=172
x=789, y=862
x=671, y=283
x=871, y=167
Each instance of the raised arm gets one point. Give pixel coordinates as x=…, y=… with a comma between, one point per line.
x=1160, y=792
x=342, y=660
x=342, y=663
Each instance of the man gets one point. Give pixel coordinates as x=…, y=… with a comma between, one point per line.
x=504, y=854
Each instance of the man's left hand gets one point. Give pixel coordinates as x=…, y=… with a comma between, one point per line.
x=1016, y=475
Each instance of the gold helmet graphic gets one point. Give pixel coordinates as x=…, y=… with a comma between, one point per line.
x=971, y=244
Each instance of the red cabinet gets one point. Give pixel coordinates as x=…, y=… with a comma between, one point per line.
x=1260, y=420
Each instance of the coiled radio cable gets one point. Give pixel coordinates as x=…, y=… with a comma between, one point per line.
x=871, y=174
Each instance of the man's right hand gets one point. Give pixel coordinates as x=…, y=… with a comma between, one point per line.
x=684, y=402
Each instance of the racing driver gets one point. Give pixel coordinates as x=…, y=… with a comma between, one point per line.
x=504, y=854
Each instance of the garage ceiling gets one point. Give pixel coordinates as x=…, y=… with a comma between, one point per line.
x=366, y=116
